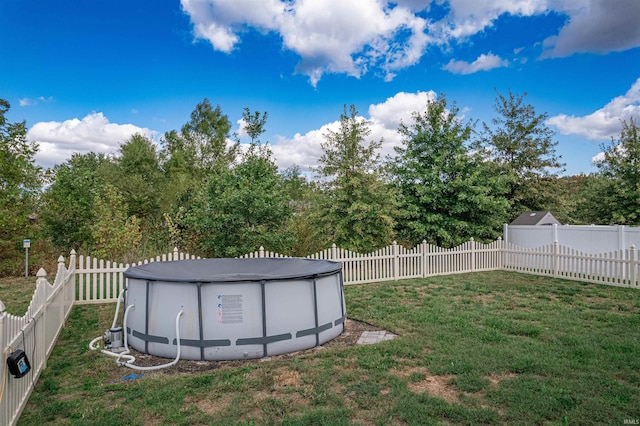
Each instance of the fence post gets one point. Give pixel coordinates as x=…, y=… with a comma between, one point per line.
x=632, y=266
x=71, y=270
x=556, y=258
x=4, y=408
x=72, y=261
x=261, y=252
x=334, y=252
x=621, y=238
x=175, y=253
x=61, y=268
x=396, y=261
x=423, y=256
x=472, y=243
x=41, y=286
x=505, y=232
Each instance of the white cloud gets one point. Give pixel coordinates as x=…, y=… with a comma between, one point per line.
x=301, y=150
x=598, y=26
x=24, y=102
x=468, y=17
x=483, y=63
x=384, y=118
x=94, y=133
x=604, y=123
x=337, y=36
x=354, y=37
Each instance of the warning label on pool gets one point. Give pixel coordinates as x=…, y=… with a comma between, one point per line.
x=229, y=308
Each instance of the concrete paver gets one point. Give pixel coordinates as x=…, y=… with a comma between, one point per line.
x=372, y=337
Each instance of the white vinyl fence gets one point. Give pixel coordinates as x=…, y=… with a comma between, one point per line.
x=35, y=333
x=100, y=281
x=593, y=239
x=396, y=262
x=617, y=267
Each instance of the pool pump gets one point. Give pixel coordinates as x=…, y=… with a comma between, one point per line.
x=113, y=338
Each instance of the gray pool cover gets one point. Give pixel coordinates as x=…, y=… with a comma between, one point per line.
x=233, y=270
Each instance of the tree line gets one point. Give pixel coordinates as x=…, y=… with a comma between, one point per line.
x=449, y=180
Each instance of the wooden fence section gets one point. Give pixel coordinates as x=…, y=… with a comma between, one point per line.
x=35, y=333
x=100, y=281
x=617, y=268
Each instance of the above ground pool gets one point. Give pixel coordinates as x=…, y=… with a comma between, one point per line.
x=234, y=308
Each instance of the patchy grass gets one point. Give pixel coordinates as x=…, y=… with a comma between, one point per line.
x=485, y=348
x=16, y=293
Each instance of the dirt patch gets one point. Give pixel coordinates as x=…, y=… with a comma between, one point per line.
x=353, y=330
x=495, y=379
x=436, y=386
x=287, y=378
x=209, y=406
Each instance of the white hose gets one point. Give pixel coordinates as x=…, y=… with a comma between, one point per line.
x=93, y=346
x=127, y=353
x=115, y=317
x=157, y=367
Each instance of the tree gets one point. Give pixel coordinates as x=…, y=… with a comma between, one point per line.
x=198, y=151
x=448, y=194
x=20, y=183
x=359, y=208
x=241, y=209
x=139, y=178
x=591, y=200
x=117, y=235
x=254, y=124
x=68, y=210
x=621, y=167
x=306, y=222
x=201, y=145
x=522, y=148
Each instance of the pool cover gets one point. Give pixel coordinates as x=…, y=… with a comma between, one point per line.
x=233, y=270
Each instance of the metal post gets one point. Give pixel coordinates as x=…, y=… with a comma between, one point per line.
x=26, y=244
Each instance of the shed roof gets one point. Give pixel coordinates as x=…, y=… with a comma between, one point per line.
x=536, y=218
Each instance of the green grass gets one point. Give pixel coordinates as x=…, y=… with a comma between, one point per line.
x=16, y=293
x=484, y=348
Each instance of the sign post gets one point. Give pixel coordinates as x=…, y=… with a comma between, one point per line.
x=26, y=244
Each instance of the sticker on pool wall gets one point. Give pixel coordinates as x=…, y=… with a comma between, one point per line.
x=229, y=308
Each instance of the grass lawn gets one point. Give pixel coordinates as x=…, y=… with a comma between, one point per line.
x=16, y=293
x=482, y=348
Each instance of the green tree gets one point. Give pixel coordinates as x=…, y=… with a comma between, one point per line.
x=201, y=145
x=448, y=195
x=621, y=168
x=191, y=156
x=117, y=236
x=306, y=222
x=68, y=209
x=522, y=149
x=254, y=124
x=139, y=178
x=359, y=207
x=20, y=183
x=591, y=200
x=241, y=209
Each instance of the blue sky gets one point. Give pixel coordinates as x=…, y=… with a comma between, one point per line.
x=85, y=75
